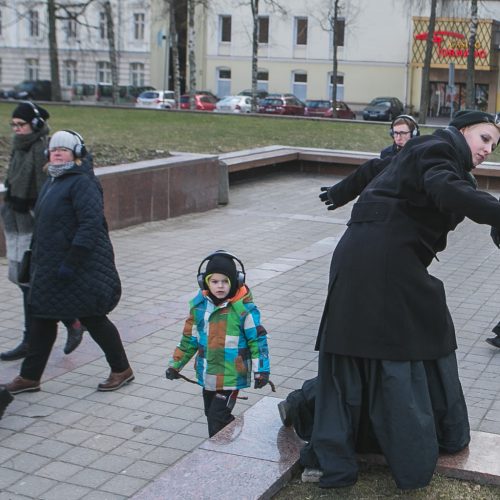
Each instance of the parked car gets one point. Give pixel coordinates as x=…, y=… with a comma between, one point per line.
x=282, y=106
x=234, y=104
x=156, y=99
x=36, y=90
x=103, y=92
x=261, y=94
x=383, y=108
x=203, y=102
x=317, y=107
x=343, y=111
x=207, y=92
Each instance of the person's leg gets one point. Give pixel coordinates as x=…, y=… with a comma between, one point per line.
x=75, y=334
x=218, y=408
x=336, y=416
x=21, y=349
x=401, y=414
x=5, y=399
x=106, y=335
x=495, y=341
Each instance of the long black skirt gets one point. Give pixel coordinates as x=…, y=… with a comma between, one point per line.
x=407, y=410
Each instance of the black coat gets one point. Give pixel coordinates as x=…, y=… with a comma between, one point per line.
x=382, y=303
x=69, y=215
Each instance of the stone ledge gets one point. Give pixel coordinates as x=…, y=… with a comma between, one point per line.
x=257, y=455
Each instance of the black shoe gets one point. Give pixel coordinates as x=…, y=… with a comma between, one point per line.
x=74, y=339
x=496, y=329
x=284, y=409
x=5, y=399
x=18, y=352
x=494, y=341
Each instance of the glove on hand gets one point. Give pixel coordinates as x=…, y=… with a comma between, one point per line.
x=172, y=373
x=66, y=273
x=495, y=236
x=325, y=198
x=261, y=379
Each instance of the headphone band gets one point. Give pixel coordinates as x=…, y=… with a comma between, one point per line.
x=240, y=274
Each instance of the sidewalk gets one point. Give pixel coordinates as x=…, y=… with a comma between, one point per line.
x=70, y=442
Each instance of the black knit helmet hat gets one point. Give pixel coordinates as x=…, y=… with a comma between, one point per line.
x=223, y=264
x=468, y=117
x=27, y=111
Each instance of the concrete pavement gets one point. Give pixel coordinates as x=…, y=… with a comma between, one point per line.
x=70, y=442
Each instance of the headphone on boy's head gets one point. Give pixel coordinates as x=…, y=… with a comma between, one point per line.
x=412, y=125
x=240, y=275
x=79, y=150
x=37, y=122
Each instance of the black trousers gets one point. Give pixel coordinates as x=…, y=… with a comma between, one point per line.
x=301, y=407
x=43, y=333
x=410, y=410
x=218, y=408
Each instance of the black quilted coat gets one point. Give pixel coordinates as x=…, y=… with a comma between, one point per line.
x=69, y=211
x=382, y=302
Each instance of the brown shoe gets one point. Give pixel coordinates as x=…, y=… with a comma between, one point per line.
x=21, y=384
x=116, y=380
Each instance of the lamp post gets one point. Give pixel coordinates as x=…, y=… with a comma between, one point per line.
x=167, y=61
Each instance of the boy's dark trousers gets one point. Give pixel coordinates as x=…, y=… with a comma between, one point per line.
x=218, y=408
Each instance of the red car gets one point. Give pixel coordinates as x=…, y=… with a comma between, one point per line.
x=317, y=107
x=282, y=106
x=203, y=102
x=343, y=111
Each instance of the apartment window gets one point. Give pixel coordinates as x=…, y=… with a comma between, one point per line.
x=103, y=26
x=71, y=27
x=33, y=23
x=32, y=69
x=263, y=30
x=70, y=76
x=339, y=32
x=103, y=72
x=340, y=86
x=138, y=26
x=225, y=28
x=137, y=74
x=223, y=82
x=262, y=80
x=301, y=31
x=300, y=84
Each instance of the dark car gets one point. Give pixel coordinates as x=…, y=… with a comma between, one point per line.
x=383, y=108
x=317, y=107
x=344, y=112
x=37, y=90
x=282, y=106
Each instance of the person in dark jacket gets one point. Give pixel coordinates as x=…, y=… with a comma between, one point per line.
x=403, y=128
x=24, y=180
x=387, y=375
x=73, y=271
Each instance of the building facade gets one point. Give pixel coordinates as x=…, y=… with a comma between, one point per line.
x=83, y=48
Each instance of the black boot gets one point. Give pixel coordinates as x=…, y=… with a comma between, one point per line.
x=18, y=352
x=5, y=399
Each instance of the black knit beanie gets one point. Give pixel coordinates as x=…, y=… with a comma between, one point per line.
x=468, y=117
x=26, y=111
x=223, y=264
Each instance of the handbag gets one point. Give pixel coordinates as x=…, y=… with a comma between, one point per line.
x=24, y=267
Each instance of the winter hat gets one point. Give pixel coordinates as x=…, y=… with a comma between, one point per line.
x=223, y=264
x=27, y=111
x=65, y=139
x=468, y=117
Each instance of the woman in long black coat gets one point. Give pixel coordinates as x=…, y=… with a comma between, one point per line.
x=73, y=273
x=387, y=376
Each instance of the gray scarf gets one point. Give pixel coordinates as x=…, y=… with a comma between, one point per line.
x=58, y=170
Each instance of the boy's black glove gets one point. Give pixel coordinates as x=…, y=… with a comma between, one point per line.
x=495, y=236
x=324, y=196
x=172, y=373
x=261, y=379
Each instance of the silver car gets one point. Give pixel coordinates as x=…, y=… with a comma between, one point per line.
x=157, y=99
x=234, y=104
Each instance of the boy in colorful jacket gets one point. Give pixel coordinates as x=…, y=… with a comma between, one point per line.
x=224, y=331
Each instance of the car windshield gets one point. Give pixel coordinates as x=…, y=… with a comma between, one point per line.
x=184, y=99
x=272, y=102
x=380, y=102
x=149, y=95
x=318, y=104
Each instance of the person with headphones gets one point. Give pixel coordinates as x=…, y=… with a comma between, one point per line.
x=403, y=128
x=24, y=180
x=73, y=272
x=224, y=331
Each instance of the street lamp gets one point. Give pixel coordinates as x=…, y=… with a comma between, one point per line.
x=167, y=62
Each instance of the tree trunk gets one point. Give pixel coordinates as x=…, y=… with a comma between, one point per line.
x=333, y=22
x=175, y=53
x=424, y=91
x=470, y=83
x=255, y=51
x=191, y=48
x=112, y=52
x=53, y=54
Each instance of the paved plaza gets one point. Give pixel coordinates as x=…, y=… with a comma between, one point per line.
x=69, y=441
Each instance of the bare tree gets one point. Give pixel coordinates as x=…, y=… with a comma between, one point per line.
x=470, y=83
x=333, y=25
x=53, y=53
x=175, y=50
x=113, y=59
x=191, y=55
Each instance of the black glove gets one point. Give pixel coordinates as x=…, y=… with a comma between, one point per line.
x=495, y=236
x=261, y=379
x=324, y=196
x=171, y=373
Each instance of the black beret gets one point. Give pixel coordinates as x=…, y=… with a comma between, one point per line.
x=469, y=117
x=27, y=111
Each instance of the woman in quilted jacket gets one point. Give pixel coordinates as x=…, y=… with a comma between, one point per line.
x=73, y=273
